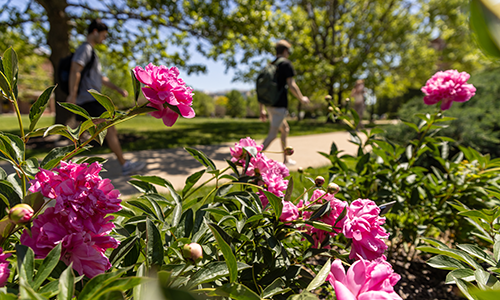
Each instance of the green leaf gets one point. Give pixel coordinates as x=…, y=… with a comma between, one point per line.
x=93, y=286
x=445, y=263
x=75, y=109
x=275, y=288
x=275, y=202
x=191, y=181
x=57, y=154
x=202, y=158
x=213, y=271
x=122, y=250
x=48, y=264
x=464, y=287
x=8, y=191
x=27, y=292
x=137, y=86
x=236, y=291
x=303, y=296
x=139, y=289
x=5, y=85
x=14, y=145
x=154, y=245
x=10, y=66
x=39, y=106
x=289, y=190
x=118, y=284
x=25, y=264
x=485, y=295
x=479, y=25
x=227, y=252
x=477, y=252
x=321, y=211
x=320, y=277
x=105, y=101
x=66, y=284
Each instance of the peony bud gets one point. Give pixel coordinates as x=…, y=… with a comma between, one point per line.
x=328, y=97
x=193, y=252
x=289, y=151
x=21, y=213
x=347, y=99
x=300, y=170
x=319, y=181
x=333, y=188
x=330, y=109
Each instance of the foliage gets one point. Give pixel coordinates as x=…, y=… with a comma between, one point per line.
x=203, y=104
x=477, y=262
x=235, y=107
x=418, y=177
x=475, y=124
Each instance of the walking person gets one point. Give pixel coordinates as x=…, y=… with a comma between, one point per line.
x=278, y=112
x=358, y=93
x=92, y=78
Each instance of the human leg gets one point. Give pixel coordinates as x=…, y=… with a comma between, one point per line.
x=276, y=117
x=114, y=144
x=285, y=130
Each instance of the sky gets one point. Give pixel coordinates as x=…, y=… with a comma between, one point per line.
x=215, y=80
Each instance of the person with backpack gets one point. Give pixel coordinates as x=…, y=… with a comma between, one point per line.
x=85, y=74
x=272, y=92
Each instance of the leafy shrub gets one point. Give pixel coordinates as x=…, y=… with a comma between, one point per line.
x=476, y=124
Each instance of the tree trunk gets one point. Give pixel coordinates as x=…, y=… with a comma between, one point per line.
x=58, y=41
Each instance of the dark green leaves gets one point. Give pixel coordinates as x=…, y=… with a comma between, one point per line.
x=39, y=106
x=137, y=86
x=75, y=109
x=227, y=252
x=154, y=245
x=202, y=158
x=275, y=202
x=48, y=264
x=105, y=101
x=320, y=277
x=66, y=284
x=10, y=66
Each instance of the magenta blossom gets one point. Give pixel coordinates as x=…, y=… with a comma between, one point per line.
x=363, y=226
x=4, y=267
x=448, y=86
x=238, y=155
x=79, y=219
x=164, y=88
x=289, y=213
x=365, y=280
x=330, y=218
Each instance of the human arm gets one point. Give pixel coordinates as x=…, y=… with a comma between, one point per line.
x=294, y=88
x=75, y=74
x=108, y=83
x=263, y=112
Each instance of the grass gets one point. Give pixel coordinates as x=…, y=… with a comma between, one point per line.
x=145, y=132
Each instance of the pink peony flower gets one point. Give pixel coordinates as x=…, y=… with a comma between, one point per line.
x=330, y=218
x=238, y=155
x=365, y=280
x=363, y=226
x=79, y=218
x=163, y=86
x=4, y=267
x=21, y=213
x=448, y=86
x=289, y=213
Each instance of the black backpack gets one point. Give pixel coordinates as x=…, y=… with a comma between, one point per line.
x=267, y=84
x=64, y=70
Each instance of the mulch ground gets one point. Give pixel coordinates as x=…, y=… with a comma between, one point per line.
x=420, y=281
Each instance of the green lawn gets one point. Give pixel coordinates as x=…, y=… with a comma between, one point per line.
x=145, y=132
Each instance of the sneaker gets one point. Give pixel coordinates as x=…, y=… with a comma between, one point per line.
x=290, y=162
x=131, y=168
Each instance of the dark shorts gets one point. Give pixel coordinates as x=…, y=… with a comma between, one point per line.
x=94, y=108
